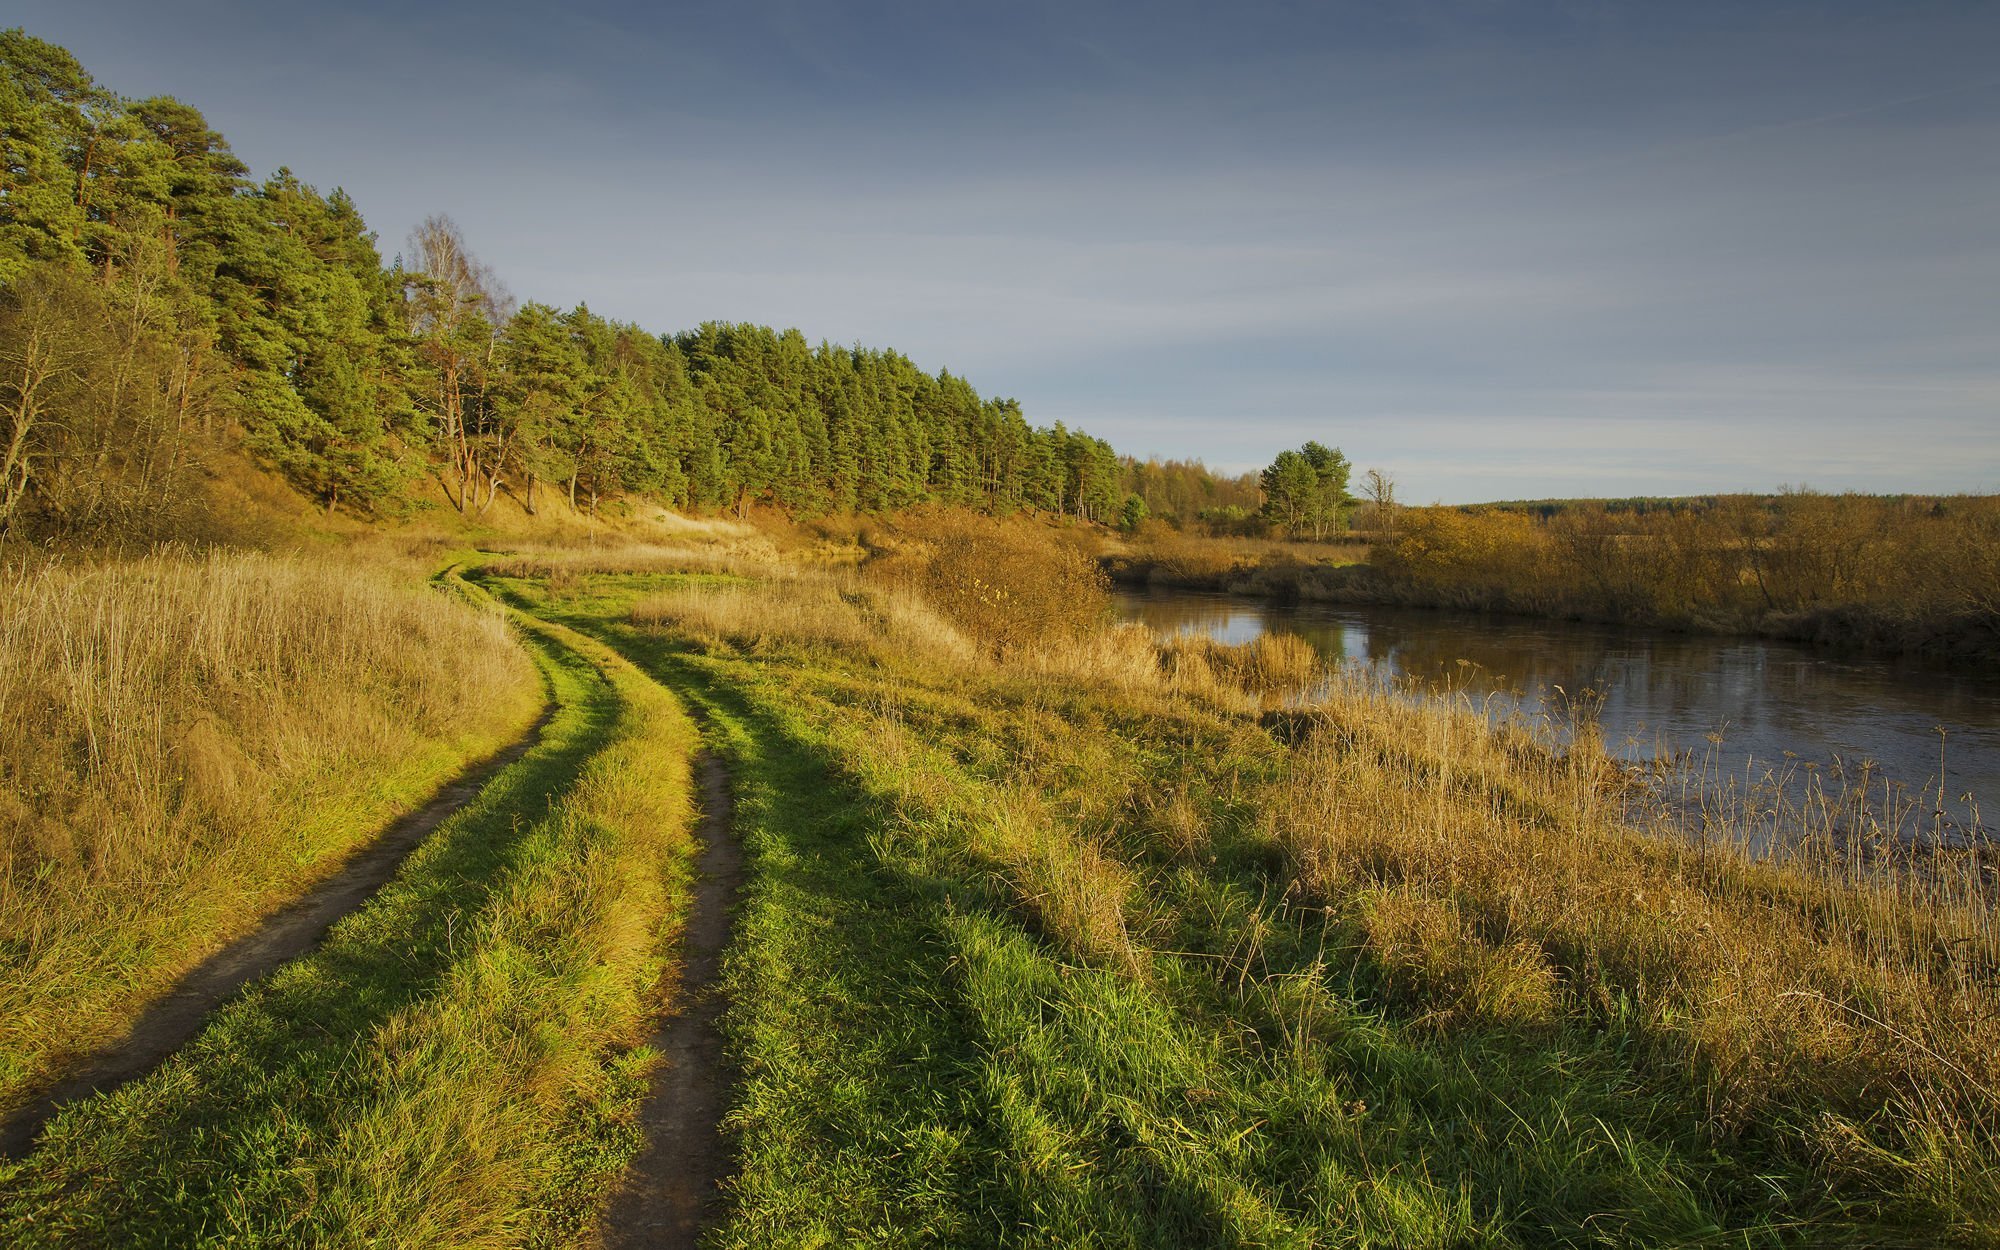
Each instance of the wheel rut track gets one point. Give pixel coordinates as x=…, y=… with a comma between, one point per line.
x=178, y=1015
x=670, y=1194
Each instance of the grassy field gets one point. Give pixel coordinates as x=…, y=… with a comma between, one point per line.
x=456, y=1064
x=186, y=742
x=1075, y=949
x=1055, y=934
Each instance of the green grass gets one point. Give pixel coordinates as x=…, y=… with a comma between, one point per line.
x=938, y=1048
x=851, y=1051
x=1023, y=958
x=456, y=1064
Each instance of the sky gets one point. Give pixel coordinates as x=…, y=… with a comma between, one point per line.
x=1498, y=250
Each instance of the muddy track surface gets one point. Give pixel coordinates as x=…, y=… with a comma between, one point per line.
x=173, y=1021
x=670, y=1194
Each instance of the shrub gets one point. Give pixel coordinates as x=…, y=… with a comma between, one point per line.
x=1009, y=584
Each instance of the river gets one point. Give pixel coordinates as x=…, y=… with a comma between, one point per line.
x=1747, y=708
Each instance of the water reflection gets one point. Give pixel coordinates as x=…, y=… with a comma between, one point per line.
x=1750, y=706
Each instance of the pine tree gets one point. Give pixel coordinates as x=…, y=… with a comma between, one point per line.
x=270, y=302
x=50, y=115
x=538, y=396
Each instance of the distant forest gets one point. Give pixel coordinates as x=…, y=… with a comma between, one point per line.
x=156, y=303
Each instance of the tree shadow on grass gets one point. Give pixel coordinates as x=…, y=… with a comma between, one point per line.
x=868, y=1108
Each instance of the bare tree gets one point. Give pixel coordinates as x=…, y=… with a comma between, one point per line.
x=41, y=348
x=456, y=308
x=104, y=401
x=1379, y=489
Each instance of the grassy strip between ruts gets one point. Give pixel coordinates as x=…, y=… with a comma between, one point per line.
x=1026, y=961
x=454, y=1065
x=852, y=1046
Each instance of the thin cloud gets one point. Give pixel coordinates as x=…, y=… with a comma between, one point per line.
x=1501, y=250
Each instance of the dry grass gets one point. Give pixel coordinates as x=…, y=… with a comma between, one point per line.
x=1822, y=1014
x=829, y=608
x=1269, y=664
x=1121, y=656
x=1245, y=565
x=707, y=529
x=566, y=563
x=186, y=741
x=1912, y=573
x=1043, y=612
x=485, y=1080
x=455, y=1064
x=1496, y=878
x=1077, y=893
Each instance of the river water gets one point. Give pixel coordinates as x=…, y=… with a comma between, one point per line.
x=1746, y=708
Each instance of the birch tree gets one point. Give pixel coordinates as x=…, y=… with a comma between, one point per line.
x=455, y=304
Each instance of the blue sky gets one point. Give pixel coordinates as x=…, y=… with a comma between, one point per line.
x=1499, y=250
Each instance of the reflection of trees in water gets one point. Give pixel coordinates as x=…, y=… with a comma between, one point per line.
x=1493, y=660
x=1222, y=619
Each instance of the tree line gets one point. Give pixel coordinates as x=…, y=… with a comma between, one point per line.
x=1302, y=493
x=1189, y=495
x=156, y=303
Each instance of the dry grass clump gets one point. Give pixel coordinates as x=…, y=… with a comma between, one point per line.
x=757, y=614
x=1501, y=882
x=1432, y=959
x=1126, y=656
x=185, y=741
x=1078, y=894
x=1011, y=585
x=1267, y=664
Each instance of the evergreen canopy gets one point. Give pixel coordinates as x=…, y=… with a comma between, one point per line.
x=263, y=311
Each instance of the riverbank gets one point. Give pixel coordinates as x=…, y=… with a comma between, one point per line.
x=1357, y=575
x=1907, y=737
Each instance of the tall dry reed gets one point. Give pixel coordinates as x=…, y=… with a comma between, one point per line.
x=1900, y=572
x=1492, y=875
x=185, y=741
